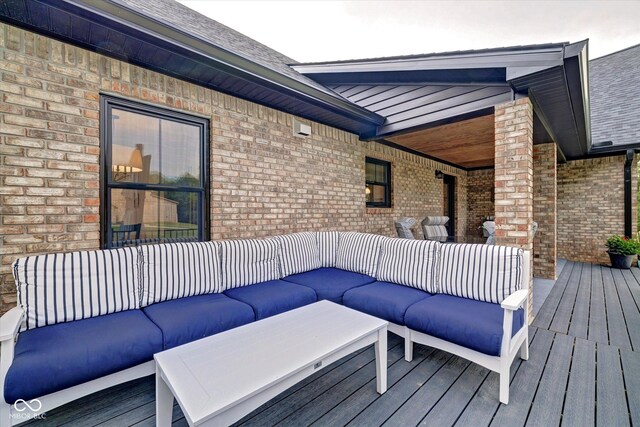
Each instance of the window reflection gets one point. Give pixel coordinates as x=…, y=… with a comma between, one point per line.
x=155, y=192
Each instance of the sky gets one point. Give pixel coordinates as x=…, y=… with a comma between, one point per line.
x=310, y=31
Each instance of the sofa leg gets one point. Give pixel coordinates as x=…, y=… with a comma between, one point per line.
x=408, y=347
x=504, y=385
x=524, y=349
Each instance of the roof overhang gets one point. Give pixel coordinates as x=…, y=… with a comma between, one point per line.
x=555, y=76
x=112, y=29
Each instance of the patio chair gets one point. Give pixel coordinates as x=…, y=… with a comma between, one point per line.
x=489, y=227
x=434, y=228
x=404, y=226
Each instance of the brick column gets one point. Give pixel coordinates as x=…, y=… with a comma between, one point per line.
x=514, y=176
x=544, y=210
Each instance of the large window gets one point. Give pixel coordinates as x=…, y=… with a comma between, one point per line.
x=378, y=183
x=154, y=175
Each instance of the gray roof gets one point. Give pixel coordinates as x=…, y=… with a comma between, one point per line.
x=180, y=17
x=615, y=97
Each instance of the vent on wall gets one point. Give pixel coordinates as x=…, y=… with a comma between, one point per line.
x=301, y=129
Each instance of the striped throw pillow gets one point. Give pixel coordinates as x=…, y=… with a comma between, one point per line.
x=328, y=247
x=63, y=287
x=250, y=261
x=178, y=270
x=480, y=272
x=409, y=262
x=359, y=252
x=298, y=253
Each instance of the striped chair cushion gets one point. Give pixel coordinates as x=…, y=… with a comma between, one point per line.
x=359, y=252
x=57, y=288
x=298, y=253
x=433, y=227
x=245, y=262
x=178, y=270
x=328, y=247
x=480, y=272
x=409, y=262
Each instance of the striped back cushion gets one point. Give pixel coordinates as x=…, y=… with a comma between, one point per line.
x=328, y=247
x=359, y=252
x=57, y=288
x=177, y=270
x=298, y=253
x=480, y=272
x=245, y=262
x=409, y=262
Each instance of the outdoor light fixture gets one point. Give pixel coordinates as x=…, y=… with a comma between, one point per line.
x=439, y=174
x=367, y=191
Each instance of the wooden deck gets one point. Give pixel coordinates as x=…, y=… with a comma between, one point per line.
x=584, y=369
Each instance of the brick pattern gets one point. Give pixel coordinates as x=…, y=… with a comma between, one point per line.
x=264, y=181
x=591, y=206
x=480, y=190
x=544, y=210
x=514, y=176
x=417, y=193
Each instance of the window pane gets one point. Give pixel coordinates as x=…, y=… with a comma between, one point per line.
x=378, y=194
x=135, y=147
x=153, y=216
x=381, y=173
x=180, y=154
x=371, y=171
x=150, y=150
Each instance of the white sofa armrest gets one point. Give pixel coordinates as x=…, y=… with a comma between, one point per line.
x=515, y=300
x=10, y=323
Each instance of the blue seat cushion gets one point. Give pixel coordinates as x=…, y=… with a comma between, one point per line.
x=273, y=297
x=388, y=301
x=330, y=283
x=473, y=324
x=188, y=319
x=56, y=357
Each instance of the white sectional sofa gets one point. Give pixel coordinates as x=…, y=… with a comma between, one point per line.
x=89, y=320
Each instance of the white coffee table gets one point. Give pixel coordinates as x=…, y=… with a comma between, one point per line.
x=219, y=379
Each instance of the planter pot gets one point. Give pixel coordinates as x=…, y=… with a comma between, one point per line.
x=621, y=261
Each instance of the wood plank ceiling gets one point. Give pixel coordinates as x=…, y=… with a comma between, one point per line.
x=468, y=143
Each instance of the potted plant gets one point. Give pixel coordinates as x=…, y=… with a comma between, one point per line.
x=622, y=251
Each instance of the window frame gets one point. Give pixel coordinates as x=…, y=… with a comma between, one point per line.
x=387, y=186
x=107, y=104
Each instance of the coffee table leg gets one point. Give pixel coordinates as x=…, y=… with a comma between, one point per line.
x=164, y=402
x=381, y=361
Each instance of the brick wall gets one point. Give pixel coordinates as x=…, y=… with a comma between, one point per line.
x=514, y=177
x=480, y=190
x=591, y=206
x=264, y=180
x=544, y=210
x=416, y=191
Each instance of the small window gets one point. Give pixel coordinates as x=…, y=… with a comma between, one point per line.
x=154, y=175
x=378, y=183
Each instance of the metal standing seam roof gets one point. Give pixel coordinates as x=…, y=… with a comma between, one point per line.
x=615, y=98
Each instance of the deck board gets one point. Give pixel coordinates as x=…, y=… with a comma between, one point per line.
x=562, y=316
x=611, y=401
x=618, y=334
x=580, y=401
x=584, y=369
x=598, y=314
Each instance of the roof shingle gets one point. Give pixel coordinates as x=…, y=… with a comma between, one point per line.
x=615, y=97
